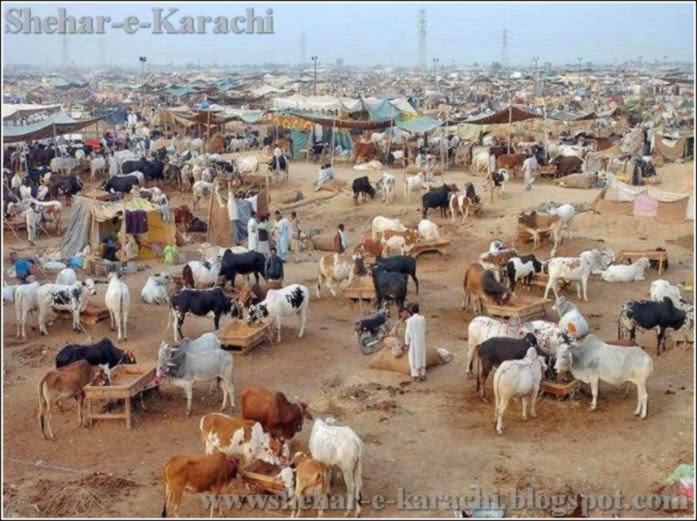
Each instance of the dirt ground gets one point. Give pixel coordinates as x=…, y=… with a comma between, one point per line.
x=434, y=438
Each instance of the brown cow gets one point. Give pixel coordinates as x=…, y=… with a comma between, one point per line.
x=197, y=474
x=183, y=217
x=279, y=417
x=305, y=477
x=567, y=165
x=511, y=162
x=537, y=223
x=216, y=145
x=482, y=284
x=369, y=247
x=65, y=383
x=366, y=151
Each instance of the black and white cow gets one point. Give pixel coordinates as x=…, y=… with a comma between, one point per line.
x=103, y=352
x=438, y=198
x=524, y=267
x=120, y=183
x=290, y=300
x=59, y=297
x=649, y=314
x=200, y=302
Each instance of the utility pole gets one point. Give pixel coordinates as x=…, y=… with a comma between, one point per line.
x=535, y=60
x=435, y=68
x=504, y=49
x=421, y=35
x=314, y=59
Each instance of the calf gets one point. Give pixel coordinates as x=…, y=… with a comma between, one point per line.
x=662, y=288
x=73, y=298
x=438, y=198
x=118, y=301
x=279, y=417
x=483, y=286
x=648, y=314
x=518, y=378
x=123, y=184
x=388, y=285
x=200, y=302
x=197, y=474
x=483, y=328
x=340, y=446
x=201, y=189
x=232, y=436
x=400, y=264
x=428, y=231
x=497, y=259
x=593, y=360
x=497, y=180
x=361, y=185
x=26, y=301
x=462, y=202
x=202, y=361
x=386, y=185
x=305, y=477
x=369, y=247
x=573, y=269
x=155, y=289
x=279, y=303
x=510, y=162
x=66, y=276
x=242, y=263
x=493, y=351
x=64, y=383
x=624, y=273
x=103, y=352
x=380, y=224
x=566, y=212
x=524, y=267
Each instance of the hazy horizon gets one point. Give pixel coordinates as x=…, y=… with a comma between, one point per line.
x=364, y=34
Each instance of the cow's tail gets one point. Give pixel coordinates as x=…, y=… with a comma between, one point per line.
x=122, y=320
x=478, y=354
x=42, y=406
x=166, y=494
x=188, y=277
x=358, y=477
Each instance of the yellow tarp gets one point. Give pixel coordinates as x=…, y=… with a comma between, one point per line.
x=104, y=211
x=160, y=234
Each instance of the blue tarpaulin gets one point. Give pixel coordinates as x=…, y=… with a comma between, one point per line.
x=423, y=124
x=301, y=141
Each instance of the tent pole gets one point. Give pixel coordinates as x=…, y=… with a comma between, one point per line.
x=55, y=140
x=510, y=124
x=389, y=143
x=208, y=127
x=331, y=150
x=210, y=209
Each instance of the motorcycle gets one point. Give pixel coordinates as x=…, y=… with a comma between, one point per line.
x=371, y=330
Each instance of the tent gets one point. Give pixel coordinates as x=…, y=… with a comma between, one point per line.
x=18, y=111
x=618, y=198
x=674, y=149
x=91, y=220
x=57, y=124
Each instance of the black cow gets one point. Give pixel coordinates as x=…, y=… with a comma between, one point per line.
x=103, y=352
x=389, y=285
x=67, y=186
x=242, y=263
x=493, y=351
x=154, y=170
x=229, y=167
x=400, y=264
x=471, y=194
x=121, y=183
x=649, y=314
x=200, y=302
x=133, y=166
x=361, y=185
x=526, y=263
x=438, y=198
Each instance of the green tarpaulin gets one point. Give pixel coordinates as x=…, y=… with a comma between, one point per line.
x=58, y=124
x=422, y=124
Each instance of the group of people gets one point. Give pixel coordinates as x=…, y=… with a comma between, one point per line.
x=259, y=232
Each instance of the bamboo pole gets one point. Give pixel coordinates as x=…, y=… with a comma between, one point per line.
x=510, y=124
x=210, y=210
x=55, y=140
x=331, y=149
x=389, y=143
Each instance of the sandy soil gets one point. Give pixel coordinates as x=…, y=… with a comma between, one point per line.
x=435, y=437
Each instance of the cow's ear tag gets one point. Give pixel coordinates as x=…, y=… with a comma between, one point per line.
x=571, y=328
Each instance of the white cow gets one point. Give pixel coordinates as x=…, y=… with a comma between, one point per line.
x=335, y=269
x=567, y=212
x=201, y=189
x=396, y=244
x=197, y=274
x=626, y=273
x=26, y=301
x=247, y=164
x=662, y=288
x=518, y=378
x=484, y=328
x=118, y=302
x=73, y=298
x=340, y=446
x=480, y=162
x=387, y=184
x=573, y=269
x=593, y=360
x=97, y=164
x=570, y=315
x=63, y=165
x=279, y=303
x=428, y=230
x=413, y=183
x=33, y=216
x=155, y=289
x=66, y=276
x=381, y=224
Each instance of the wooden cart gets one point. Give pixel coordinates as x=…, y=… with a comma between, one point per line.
x=560, y=390
x=441, y=246
x=524, y=310
x=652, y=255
x=127, y=381
x=240, y=337
x=91, y=315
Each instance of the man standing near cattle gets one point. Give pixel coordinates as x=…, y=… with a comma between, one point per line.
x=415, y=340
x=530, y=167
x=274, y=268
x=252, y=238
x=263, y=246
x=341, y=241
x=283, y=237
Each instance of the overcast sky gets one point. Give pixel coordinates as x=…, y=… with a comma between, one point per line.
x=375, y=33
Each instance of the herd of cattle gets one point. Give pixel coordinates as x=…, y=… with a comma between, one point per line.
x=521, y=354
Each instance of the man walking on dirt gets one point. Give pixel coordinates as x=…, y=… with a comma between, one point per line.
x=415, y=340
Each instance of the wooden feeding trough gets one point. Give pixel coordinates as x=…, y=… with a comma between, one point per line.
x=240, y=337
x=127, y=381
x=264, y=476
x=540, y=280
x=441, y=246
x=661, y=257
x=560, y=390
x=524, y=310
x=91, y=315
x=525, y=237
x=360, y=289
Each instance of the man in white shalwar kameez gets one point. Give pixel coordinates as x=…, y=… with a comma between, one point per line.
x=415, y=340
x=252, y=233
